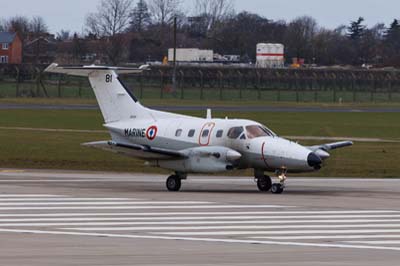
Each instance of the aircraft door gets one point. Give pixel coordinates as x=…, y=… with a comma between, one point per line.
x=205, y=134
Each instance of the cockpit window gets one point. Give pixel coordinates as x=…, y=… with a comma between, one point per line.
x=235, y=132
x=257, y=131
x=269, y=131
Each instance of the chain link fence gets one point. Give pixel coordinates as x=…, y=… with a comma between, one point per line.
x=217, y=83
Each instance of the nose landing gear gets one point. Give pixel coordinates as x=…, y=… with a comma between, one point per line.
x=264, y=182
x=278, y=188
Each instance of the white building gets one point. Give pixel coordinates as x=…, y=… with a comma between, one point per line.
x=270, y=55
x=191, y=55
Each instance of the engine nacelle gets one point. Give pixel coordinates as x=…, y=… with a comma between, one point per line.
x=203, y=160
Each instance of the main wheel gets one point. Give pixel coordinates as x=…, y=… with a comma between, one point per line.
x=277, y=188
x=173, y=183
x=264, y=184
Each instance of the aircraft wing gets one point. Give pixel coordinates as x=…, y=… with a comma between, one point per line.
x=137, y=151
x=331, y=146
x=322, y=150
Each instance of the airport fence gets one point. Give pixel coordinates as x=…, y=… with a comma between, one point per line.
x=217, y=83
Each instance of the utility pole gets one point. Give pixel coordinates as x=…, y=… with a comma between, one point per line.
x=174, y=62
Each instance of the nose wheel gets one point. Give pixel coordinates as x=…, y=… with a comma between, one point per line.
x=264, y=182
x=277, y=188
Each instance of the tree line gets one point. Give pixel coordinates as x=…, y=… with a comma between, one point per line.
x=140, y=31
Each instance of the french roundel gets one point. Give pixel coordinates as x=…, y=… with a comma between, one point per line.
x=151, y=132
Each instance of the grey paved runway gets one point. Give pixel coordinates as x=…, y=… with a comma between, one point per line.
x=88, y=218
x=5, y=106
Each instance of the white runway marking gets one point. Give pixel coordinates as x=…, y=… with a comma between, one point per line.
x=227, y=227
x=240, y=241
x=199, y=221
x=283, y=232
x=28, y=196
x=50, y=199
x=215, y=215
x=196, y=220
x=267, y=227
x=377, y=242
x=244, y=225
x=142, y=207
x=315, y=237
x=104, y=203
x=67, y=180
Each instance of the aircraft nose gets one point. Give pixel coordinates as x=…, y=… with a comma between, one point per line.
x=313, y=160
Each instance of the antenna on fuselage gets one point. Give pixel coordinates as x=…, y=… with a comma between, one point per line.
x=209, y=114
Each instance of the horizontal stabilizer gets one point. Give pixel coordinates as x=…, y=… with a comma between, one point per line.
x=84, y=71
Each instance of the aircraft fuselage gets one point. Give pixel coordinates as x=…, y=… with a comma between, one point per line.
x=268, y=152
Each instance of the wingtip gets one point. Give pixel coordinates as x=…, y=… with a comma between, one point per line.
x=144, y=67
x=51, y=67
x=351, y=143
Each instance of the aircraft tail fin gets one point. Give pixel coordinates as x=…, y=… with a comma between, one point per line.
x=116, y=101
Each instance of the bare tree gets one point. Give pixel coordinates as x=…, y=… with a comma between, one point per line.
x=37, y=26
x=299, y=37
x=214, y=11
x=108, y=23
x=63, y=35
x=163, y=11
x=2, y=25
x=140, y=16
x=112, y=17
x=17, y=24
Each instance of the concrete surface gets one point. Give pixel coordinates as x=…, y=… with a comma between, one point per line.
x=89, y=218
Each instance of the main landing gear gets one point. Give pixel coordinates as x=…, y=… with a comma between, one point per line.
x=174, y=182
x=264, y=182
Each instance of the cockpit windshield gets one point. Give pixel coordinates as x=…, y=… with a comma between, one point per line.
x=256, y=131
x=235, y=132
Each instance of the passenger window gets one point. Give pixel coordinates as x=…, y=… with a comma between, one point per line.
x=243, y=136
x=205, y=133
x=178, y=133
x=191, y=133
x=220, y=133
x=235, y=132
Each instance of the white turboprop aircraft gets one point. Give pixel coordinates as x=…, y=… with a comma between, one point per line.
x=186, y=144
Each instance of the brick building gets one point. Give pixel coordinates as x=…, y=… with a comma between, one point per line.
x=40, y=49
x=10, y=48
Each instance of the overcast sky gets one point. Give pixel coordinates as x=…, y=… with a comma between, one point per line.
x=70, y=14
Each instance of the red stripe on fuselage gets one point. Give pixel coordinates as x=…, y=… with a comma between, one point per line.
x=262, y=154
x=280, y=55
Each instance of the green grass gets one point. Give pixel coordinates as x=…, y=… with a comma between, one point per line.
x=204, y=103
x=38, y=150
x=362, y=125
x=50, y=150
x=81, y=89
